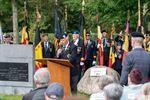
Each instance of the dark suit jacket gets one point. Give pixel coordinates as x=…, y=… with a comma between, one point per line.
x=91, y=50
x=118, y=61
x=65, y=53
x=39, y=92
x=76, y=52
x=50, y=52
x=137, y=58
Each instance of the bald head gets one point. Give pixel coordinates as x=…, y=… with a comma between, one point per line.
x=42, y=77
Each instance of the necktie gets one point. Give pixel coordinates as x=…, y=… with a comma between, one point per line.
x=45, y=46
x=104, y=42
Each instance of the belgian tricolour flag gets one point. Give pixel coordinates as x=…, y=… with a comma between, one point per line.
x=38, y=48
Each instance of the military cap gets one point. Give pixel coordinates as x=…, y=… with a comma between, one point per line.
x=103, y=31
x=137, y=34
x=63, y=36
x=75, y=32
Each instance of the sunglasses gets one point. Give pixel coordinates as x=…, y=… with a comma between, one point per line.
x=87, y=35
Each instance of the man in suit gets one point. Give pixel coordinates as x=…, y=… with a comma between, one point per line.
x=63, y=51
x=136, y=58
x=90, y=52
x=106, y=47
x=48, y=48
x=118, y=58
x=41, y=79
x=76, y=53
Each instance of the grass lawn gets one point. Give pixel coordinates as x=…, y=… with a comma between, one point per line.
x=17, y=97
x=10, y=97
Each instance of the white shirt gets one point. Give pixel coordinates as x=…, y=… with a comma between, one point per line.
x=97, y=96
x=66, y=46
x=76, y=42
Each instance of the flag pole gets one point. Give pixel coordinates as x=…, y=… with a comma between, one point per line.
x=65, y=22
x=139, y=14
x=145, y=10
x=83, y=4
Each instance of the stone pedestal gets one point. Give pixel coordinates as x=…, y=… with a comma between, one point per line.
x=16, y=69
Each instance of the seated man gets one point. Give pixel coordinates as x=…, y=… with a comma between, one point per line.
x=102, y=82
x=133, y=89
x=113, y=91
x=55, y=91
x=41, y=79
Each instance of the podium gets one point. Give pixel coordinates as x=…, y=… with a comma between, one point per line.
x=60, y=72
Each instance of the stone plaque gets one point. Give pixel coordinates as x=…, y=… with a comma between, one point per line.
x=10, y=71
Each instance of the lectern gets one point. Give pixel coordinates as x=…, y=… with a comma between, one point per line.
x=60, y=71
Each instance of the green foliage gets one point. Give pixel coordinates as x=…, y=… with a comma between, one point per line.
x=109, y=11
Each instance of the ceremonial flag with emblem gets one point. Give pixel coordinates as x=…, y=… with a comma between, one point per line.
x=83, y=32
x=24, y=32
x=38, y=48
x=112, y=49
x=126, y=41
x=57, y=30
x=24, y=38
x=101, y=52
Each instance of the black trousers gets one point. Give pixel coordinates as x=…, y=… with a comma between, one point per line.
x=88, y=64
x=73, y=84
x=118, y=70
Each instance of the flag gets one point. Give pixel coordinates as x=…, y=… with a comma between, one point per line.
x=1, y=34
x=24, y=37
x=112, y=49
x=145, y=26
x=24, y=33
x=111, y=56
x=126, y=41
x=82, y=22
x=65, y=21
x=57, y=29
x=83, y=32
x=101, y=52
x=38, y=48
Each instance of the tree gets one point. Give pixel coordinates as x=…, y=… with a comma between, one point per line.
x=15, y=21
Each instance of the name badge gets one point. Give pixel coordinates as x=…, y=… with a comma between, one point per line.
x=97, y=72
x=50, y=49
x=78, y=50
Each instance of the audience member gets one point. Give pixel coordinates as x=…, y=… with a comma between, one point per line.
x=55, y=91
x=137, y=58
x=41, y=79
x=113, y=91
x=8, y=39
x=133, y=89
x=145, y=92
x=102, y=82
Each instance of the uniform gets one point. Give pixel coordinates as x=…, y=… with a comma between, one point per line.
x=137, y=58
x=73, y=53
x=90, y=53
x=48, y=50
x=118, y=61
x=106, y=49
